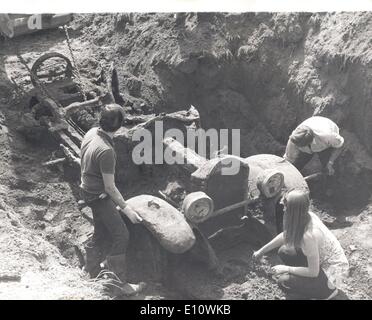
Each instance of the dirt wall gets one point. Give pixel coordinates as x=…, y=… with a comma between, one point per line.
x=262, y=73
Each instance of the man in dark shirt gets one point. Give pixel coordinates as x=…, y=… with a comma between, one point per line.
x=98, y=160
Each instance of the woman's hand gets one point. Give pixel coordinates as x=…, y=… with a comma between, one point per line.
x=257, y=255
x=280, y=268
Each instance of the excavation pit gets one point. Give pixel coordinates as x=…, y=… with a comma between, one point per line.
x=261, y=73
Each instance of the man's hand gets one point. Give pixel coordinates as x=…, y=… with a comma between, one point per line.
x=330, y=169
x=132, y=215
x=103, y=196
x=279, y=269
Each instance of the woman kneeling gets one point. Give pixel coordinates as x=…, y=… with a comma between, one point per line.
x=315, y=263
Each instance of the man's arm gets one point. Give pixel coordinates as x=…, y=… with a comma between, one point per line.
x=115, y=195
x=107, y=167
x=291, y=151
x=112, y=190
x=337, y=143
x=335, y=154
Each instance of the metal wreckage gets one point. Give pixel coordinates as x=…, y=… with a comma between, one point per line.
x=217, y=211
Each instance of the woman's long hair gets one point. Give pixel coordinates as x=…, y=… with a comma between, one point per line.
x=296, y=217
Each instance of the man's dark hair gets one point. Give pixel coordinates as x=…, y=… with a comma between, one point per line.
x=302, y=136
x=111, y=117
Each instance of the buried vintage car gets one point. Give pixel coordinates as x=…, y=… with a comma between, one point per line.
x=216, y=210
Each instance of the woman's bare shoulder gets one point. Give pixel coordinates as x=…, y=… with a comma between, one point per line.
x=312, y=233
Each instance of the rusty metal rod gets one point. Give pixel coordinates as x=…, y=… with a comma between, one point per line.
x=313, y=176
x=168, y=199
x=54, y=162
x=232, y=207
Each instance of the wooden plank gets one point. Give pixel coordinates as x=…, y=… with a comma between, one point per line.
x=69, y=156
x=75, y=136
x=67, y=141
x=53, y=162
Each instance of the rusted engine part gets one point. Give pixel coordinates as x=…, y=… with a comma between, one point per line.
x=268, y=177
x=48, y=114
x=48, y=103
x=60, y=86
x=202, y=171
x=124, y=143
x=221, y=224
x=293, y=179
x=159, y=124
x=26, y=24
x=182, y=118
x=230, y=223
x=66, y=132
x=54, y=119
x=53, y=72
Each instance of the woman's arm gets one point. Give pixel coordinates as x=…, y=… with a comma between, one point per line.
x=276, y=242
x=311, y=251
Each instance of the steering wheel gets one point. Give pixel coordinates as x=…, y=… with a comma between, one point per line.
x=52, y=69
